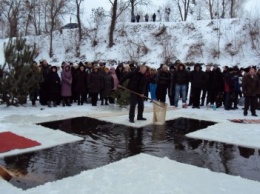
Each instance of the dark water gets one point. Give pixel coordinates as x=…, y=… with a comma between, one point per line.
x=106, y=142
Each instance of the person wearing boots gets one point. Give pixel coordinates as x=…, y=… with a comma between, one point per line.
x=181, y=80
x=66, y=81
x=94, y=84
x=54, y=87
x=137, y=83
x=81, y=83
x=258, y=92
x=108, y=85
x=250, y=86
x=197, y=79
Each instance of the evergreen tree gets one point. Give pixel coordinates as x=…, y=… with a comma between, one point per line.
x=17, y=75
x=122, y=96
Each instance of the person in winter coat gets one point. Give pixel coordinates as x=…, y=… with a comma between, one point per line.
x=94, y=84
x=228, y=88
x=206, y=87
x=236, y=91
x=258, y=91
x=181, y=79
x=163, y=81
x=172, y=85
x=54, y=86
x=115, y=83
x=66, y=81
x=138, y=18
x=137, y=83
x=216, y=86
x=250, y=87
x=152, y=83
x=147, y=75
x=108, y=85
x=120, y=71
x=74, y=72
x=197, y=79
x=43, y=91
x=154, y=17
x=146, y=17
x=81, y=83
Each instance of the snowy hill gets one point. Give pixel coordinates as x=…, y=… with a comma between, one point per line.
x=227, y=42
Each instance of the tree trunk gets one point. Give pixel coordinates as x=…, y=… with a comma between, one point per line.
x=223, y=14
x=179, y=7
x=211, y=9
x=132, y=7
x=79, y=20
x=113, y=24
x=186, y=8
x=13, y=28
x=51, y=47
x=232, y=4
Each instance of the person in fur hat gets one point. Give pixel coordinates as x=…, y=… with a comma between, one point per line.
x=250, y=86
x=81, y=83
x=181, y=80
x=54, y=87
x=108, y=85
x=197, y=79
x=66, y=81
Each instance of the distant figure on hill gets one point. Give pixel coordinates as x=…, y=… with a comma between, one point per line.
x=137, y=17
x=154, y=17
x=146, y=17
x=167, y=14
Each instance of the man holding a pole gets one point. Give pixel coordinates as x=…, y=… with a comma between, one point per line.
x=136, y=85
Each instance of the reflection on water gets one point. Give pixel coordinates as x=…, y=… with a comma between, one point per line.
x=106, y=142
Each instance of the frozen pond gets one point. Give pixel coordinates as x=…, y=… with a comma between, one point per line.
x=107, y=142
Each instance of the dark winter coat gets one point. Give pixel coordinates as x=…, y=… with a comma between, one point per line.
x=181, y=76
x=108, y=85
x=54, y=85
x=152, y=79
x=216, y=81
x=163, y=78
x=197, y=79
x=119, y=73
x=250, y=85
x=228, y=82
x=137, y=81
x=81, y=79
x=66, y=81
x=258, y=91
x=206, y=84
x=94, y=82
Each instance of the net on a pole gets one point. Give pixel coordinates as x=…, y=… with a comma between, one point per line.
x=159, y=112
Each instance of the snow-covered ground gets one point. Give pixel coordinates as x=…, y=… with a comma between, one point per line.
x=141, y=173
x=198, y=41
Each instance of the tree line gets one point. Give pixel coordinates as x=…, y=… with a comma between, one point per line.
x=37, y=17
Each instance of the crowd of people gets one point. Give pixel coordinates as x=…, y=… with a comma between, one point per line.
x=90, y=81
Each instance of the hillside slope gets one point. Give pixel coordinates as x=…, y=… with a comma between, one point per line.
x=226, y=42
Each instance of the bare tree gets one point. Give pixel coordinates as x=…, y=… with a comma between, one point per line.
x=76, y=4
x=37, y=17
x=54, y=9
x=235, y=7
x=134, y=3
x=12, y=10
x=183, y=7
x=29, y=7
x=116, y=11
